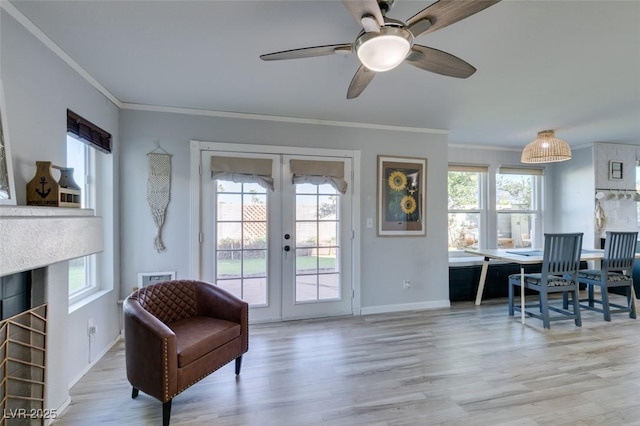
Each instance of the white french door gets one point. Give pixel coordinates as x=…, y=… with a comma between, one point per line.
x=287, y=252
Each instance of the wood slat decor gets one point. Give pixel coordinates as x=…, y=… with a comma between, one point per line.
x=22, y=367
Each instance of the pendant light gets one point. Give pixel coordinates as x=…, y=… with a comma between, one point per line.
x=546, y=149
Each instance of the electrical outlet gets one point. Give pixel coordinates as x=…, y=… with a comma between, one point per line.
x=406, y=284
x=91, y=327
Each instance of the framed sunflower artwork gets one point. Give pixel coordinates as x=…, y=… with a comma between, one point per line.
x=401, y=196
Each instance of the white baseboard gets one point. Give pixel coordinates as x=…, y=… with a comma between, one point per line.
x=382, y=309
x=90, y=365
x=58, y=412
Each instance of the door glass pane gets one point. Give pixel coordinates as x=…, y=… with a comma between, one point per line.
x=327, y=207
x=241, y=241
x=306, y=207
x=229, y=207
x=306, y=288
x=306, y=234
x=253, y=235
x=328, y=234
x=329, y=287
x=228, y=264
x=306, y=261
x=317, y=243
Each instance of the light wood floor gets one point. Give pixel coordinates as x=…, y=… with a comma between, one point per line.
x=466, y=366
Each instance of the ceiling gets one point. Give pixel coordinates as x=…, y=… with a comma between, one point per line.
x=572, y=66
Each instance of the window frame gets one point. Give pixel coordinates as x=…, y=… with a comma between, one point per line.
x=88, y=200
x=537, y=193
x=482, y=210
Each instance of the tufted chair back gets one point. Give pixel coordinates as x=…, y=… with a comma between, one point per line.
x=168, y=301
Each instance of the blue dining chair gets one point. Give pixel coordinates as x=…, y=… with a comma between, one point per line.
x=615, y=271
x=559, y=274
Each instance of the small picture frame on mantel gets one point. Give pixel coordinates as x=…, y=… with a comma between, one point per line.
x=616, y=170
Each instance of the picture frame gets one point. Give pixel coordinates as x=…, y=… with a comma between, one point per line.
x=616, y=170
x=148, y=278
x=7, y=183
x=402, y=196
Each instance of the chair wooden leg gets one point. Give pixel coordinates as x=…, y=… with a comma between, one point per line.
x=511, y=288
x=238, y=364
x=632, y=306
x=134, y=393
x=590, y=294
x=166, y=412
x=576, y=307
x=544, y=309
x=604, y=295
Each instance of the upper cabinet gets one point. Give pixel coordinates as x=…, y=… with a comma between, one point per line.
x=615, y=166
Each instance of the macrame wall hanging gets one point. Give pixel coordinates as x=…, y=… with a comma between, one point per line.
x=159, y=190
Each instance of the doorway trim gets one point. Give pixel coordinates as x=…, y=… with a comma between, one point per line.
x=196, y=237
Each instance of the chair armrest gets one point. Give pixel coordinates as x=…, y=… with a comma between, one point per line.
x=214, y=301
x=151, y=352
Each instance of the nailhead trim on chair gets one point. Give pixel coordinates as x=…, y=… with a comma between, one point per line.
x=166, y=370
x=200, y=378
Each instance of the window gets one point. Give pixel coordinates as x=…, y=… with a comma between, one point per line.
x=82, y=270
x=466, y=186
x=518, y=195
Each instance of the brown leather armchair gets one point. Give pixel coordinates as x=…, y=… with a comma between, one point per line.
x=177, y=333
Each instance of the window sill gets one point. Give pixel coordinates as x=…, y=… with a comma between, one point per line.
x=91, y=297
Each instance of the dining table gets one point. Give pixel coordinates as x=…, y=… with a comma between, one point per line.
x=523, y=257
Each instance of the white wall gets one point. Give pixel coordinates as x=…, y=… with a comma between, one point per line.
x=386, y=261
x=38, y=89
x=572, y=205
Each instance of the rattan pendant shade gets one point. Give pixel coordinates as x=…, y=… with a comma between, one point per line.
x=546, y=149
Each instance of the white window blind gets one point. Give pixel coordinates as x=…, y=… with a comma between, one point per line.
x=243, y=170
x=468, y=168
x=512, y=170
x=319, y=172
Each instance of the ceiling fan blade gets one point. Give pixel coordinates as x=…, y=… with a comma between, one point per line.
x=360, y=81
x=361, y=8
x=443, y=13
x=439, y=62
x=307, y=52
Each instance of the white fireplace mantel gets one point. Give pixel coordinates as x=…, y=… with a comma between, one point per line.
x=33, y=237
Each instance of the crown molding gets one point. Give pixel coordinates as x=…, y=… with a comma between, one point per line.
x=279, y=118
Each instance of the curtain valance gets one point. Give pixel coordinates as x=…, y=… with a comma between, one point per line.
x=243, y=170
x=319, y=172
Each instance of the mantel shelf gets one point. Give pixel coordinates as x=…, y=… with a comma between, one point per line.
x=34, y=237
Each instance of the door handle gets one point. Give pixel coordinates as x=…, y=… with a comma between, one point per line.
x=287, y=248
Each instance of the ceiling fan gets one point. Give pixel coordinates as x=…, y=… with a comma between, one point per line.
x=385, y=43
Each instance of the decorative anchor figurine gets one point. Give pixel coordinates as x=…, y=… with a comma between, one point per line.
x=43, y=193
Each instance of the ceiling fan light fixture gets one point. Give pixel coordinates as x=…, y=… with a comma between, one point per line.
x=384, y=50
x=546, y=149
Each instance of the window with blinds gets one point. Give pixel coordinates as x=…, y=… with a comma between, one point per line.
x=466, y=205
x=518, y=202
